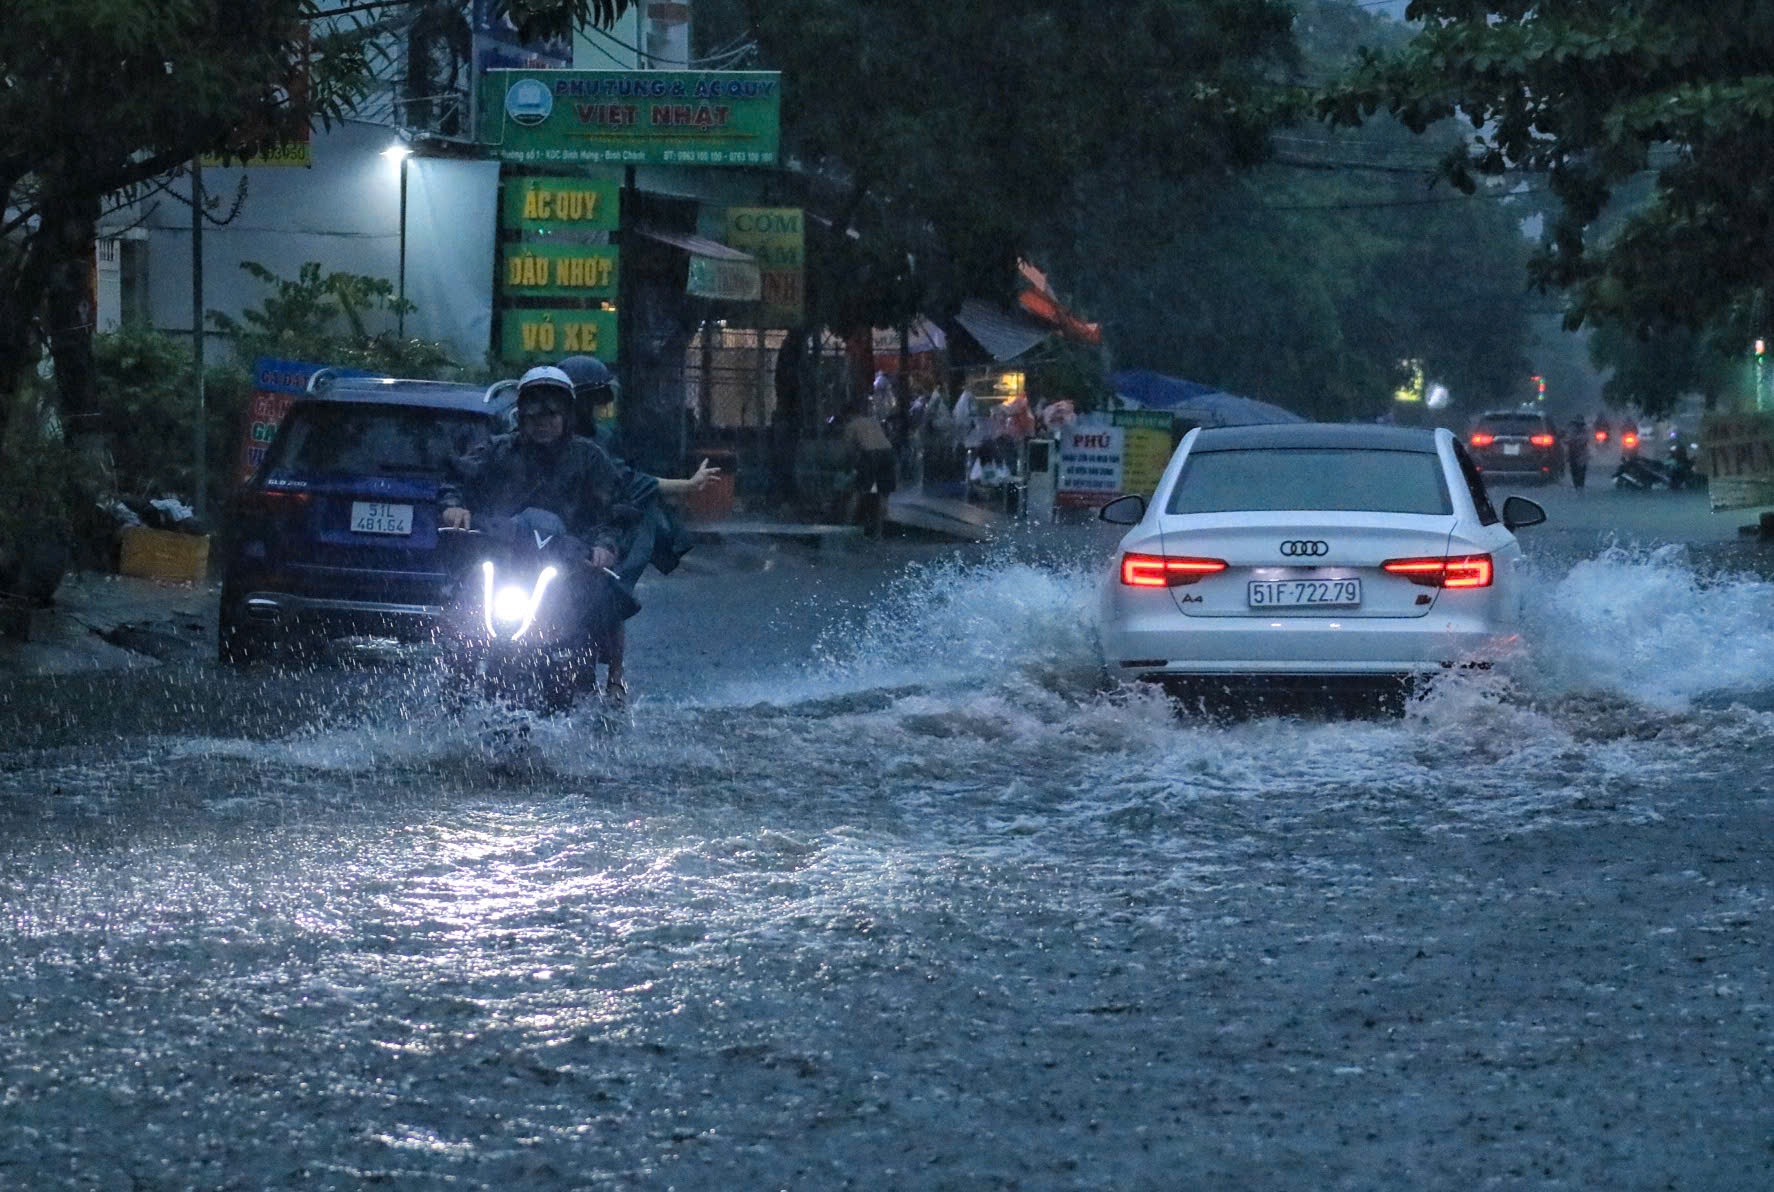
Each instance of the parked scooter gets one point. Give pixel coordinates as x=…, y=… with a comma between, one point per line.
x=1637, y=473
x=526, y=613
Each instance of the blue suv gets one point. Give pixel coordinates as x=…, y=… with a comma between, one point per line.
x=336, y=533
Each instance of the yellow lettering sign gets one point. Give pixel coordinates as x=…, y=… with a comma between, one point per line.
x=526, y=271
x=584, y=272
x=564, y=205
x=582, y=337
x=538, y=337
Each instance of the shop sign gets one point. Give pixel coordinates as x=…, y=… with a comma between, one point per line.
x=1102, y=456
x=1737, y=456
x=542, y=207
x=544, y=336
x=1146, y=448
x=776, y=238
x=632, y=117
x=730, y=281
x=276, y=385
x=1090, y=459
x=528, y=270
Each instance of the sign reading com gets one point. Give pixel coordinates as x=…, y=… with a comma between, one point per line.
x=658, y=117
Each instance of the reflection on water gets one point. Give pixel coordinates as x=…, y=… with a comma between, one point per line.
x=936, y=865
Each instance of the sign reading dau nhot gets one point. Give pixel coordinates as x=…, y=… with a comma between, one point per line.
x=632, y=117
x=558, y=271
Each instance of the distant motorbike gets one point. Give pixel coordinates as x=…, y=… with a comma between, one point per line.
x=525, y=614
x=1636, y=473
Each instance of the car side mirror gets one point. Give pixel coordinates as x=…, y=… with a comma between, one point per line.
x=1124, y=511
x=1519, y=512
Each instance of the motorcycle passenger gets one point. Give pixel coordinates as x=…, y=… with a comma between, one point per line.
x=650, y=533
x=543, y=466
x=1577, y=452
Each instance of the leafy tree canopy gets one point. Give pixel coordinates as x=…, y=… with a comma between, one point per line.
x=1322, y=279
x=1590, y=96
x=959, y=131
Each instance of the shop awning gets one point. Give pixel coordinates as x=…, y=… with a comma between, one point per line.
x=716, y=270
x=1003, y=333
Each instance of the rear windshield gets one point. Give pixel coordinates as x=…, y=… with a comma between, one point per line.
x=1513, y=424
x=1313, y=478
x=374, y=440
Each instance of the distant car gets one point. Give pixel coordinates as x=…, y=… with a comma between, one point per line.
x=336, y=534
x=1312, y=555
x=1519, y=444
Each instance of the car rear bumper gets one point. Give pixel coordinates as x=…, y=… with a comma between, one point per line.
x=1160, y=644
x=338, y=617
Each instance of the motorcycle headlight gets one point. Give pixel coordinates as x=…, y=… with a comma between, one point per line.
x=511, y=605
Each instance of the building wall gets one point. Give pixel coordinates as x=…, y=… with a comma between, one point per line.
x=345, y=213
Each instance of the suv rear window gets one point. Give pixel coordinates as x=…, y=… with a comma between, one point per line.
x=368, y=440
x=1312, y=478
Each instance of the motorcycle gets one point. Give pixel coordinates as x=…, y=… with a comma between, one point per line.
x=525, y=614
x=1640, y=474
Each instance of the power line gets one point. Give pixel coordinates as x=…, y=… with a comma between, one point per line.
x=1363, y=206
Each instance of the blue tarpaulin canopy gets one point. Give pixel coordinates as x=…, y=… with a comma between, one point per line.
x=1201, y=404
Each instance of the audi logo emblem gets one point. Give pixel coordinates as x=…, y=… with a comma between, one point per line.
x=1299, y=548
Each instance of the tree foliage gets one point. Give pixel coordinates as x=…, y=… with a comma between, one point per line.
x=1320, y=279
x=1583, y=97
x=959, y=133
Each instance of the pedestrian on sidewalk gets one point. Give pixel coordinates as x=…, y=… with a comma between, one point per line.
x=1577, y=452
x=870, y=454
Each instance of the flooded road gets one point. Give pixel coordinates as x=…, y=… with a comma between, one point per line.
x=881, y=885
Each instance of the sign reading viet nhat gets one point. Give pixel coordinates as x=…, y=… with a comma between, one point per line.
x=776, y=238
x=632, y=117
x=1737, y=455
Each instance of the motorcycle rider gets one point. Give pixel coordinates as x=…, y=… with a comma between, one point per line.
x=545, y=466
x=650, y=533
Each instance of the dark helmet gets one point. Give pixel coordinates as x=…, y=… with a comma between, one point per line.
x=594, y=385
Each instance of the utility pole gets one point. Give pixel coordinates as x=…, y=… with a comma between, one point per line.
x=199, y=436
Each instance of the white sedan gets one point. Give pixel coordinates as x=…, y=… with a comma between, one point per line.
x=1312, y=554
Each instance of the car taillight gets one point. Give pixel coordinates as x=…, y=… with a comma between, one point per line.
x=1480, y=439
x=1540, y=440
x=273, y=501
x=1463, y=571
x=1601, y=436
x=1166, y=571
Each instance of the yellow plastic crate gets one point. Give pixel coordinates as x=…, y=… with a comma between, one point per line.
x=164, y=555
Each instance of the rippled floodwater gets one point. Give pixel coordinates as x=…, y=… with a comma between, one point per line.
x=912, y=901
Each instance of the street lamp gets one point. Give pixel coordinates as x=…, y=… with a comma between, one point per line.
x=399, y=152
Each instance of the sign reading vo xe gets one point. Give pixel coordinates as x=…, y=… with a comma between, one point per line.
x=633, y=117
x=544, y=336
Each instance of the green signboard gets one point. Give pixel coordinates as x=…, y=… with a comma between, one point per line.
x=547, y=206
x=630, y=117
x=544, y=336
x=549, y=270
